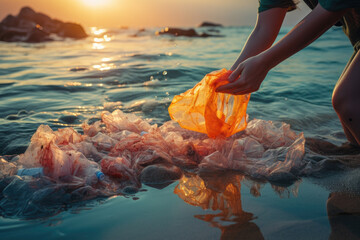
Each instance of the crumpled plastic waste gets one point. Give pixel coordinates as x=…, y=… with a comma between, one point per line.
x=57, y=152
x=265, y=151
x=201, y=109
x=121, y=149
x=123, y=146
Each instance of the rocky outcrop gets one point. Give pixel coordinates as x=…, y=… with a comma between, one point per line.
x=34, y=27
x=178, y=32
x=210, y=24
x=160, y=175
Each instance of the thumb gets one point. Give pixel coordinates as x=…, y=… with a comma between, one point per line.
x=235, y=75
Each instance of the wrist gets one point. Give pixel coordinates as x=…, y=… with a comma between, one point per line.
x=267, y=60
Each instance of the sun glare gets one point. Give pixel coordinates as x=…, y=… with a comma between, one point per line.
x=96, y=3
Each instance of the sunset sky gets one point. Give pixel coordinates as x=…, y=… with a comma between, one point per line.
x=146, y=13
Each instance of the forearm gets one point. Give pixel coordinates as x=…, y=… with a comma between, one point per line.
x=255, y=44
x=264, y=34
x=305, y=32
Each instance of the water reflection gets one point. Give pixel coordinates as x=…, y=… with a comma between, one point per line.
x=100, y=37
x=105, y=38
x=220, y=193
x=104, y=66
x=223, y=193
x=97, y=31
x=343, y=211
x=98, y=46
x=106, y=59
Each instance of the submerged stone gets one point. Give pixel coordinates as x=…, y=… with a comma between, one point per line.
x=160, y=174
x=130, y=190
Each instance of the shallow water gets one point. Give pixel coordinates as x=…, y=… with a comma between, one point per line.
x=62, y=84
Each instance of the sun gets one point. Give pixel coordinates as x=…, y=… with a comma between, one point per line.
x=96, y=3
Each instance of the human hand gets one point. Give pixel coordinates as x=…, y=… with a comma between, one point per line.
x=247, y=77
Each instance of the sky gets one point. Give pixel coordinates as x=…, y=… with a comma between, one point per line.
x=147, y=13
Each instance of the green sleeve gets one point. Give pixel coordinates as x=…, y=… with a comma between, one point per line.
x=337, y=5
x=268, y=4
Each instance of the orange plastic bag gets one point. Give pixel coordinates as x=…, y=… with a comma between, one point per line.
x=203, y=110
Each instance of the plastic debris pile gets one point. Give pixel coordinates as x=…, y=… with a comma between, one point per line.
x=121, y=151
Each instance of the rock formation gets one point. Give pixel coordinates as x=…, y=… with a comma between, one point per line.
x=35, y=27
x=210, y=24
x=178, y=32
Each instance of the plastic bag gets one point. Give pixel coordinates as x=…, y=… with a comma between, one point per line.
x=201, y=109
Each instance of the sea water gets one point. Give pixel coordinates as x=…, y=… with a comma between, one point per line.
x=63, y=83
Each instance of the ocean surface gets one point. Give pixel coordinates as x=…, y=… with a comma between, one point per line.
x=64, y=83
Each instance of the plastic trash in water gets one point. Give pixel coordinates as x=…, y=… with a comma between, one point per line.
x=201, y=109
x=33, y=172
x=94, y=176
x=7, y=168
x=100, y=176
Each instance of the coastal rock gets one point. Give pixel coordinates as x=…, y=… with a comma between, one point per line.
x=37, y=35
x=160, y=174
x=210, y=24
x=34, y=27
x=10, y=21
x=27, y=14
x=71, y=30
x=12, y=35
x=178, y=32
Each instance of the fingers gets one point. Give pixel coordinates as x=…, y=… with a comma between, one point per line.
x=232, y=86
x=235, y=75
x=237, y=91
x=238, y=87
x=243, y=92
x=239, y=83
x=228, y=88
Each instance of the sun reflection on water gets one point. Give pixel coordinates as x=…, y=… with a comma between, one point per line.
x=106, y=59
x=98, y=46
x=99, y=38
x=105, y=38
x=73, y=84
x=98, y=31
x=104, y=66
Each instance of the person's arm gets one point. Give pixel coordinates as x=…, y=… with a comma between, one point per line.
x=253, y=70
x=266, y=29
